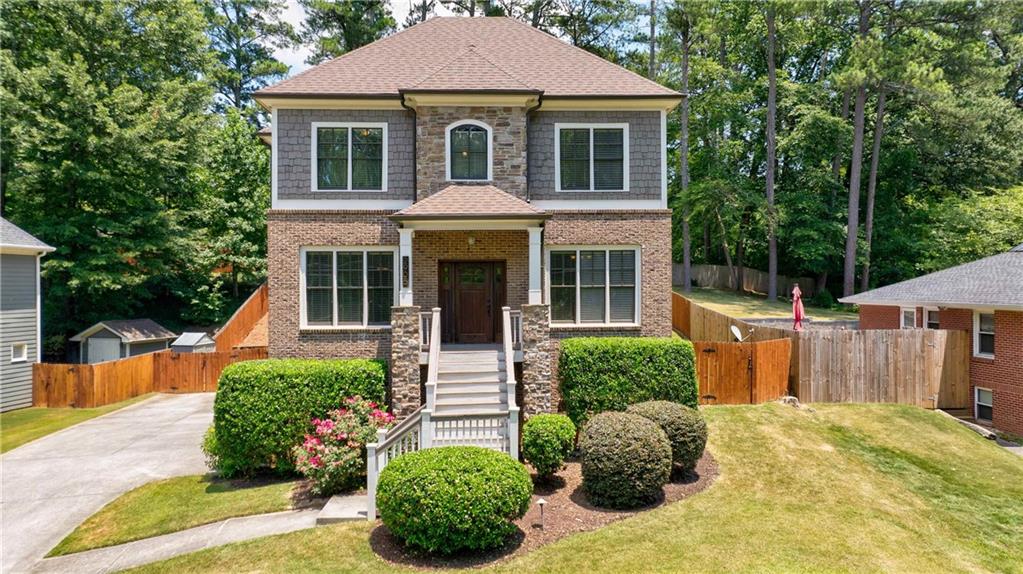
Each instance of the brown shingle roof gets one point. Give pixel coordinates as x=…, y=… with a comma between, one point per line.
x=130, y=330
x=470, y=201
x=458, y=53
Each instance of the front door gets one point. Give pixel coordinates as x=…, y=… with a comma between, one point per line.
x=471, y=295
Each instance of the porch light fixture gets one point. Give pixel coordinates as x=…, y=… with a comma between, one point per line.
x=541, y=504
x=472, y=241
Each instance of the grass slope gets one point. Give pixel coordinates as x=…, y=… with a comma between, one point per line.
x=848, y=488
x=746, y=305
x=25, y=425
x=171, y=505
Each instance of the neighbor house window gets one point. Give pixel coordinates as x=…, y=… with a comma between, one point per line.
x=345, y=287
x=19, y=353
x=984, y=401
x=593, y=285
x=931, y=318
x=984, y=334
x=468, y=151
x=908, y=320
x=592, y=157
x=349, y=157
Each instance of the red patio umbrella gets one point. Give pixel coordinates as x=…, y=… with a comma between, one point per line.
x=797, y=308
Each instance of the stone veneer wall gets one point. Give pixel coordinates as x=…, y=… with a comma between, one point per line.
x=287, y=232
x=405, y=348
x=508, y=129
x=431, y=247
x=537, y=386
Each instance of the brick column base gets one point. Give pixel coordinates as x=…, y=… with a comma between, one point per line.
x=536, y=360
x=405, y=342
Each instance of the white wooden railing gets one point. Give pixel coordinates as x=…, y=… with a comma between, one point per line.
x=425, y=329
x=516, y=329
x=509, y=364
x=391, y=443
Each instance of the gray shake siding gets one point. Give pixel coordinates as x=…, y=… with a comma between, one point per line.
x=294, y=152
x=644, y=153
x=17, y=325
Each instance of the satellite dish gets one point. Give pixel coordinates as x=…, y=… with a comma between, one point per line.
x=737, y=333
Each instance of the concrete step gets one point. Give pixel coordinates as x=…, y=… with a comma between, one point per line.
x=343, y=508
x=472, y=377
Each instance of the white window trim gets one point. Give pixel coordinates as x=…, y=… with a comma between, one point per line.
x=591, y=126
x=314, y=164
x=303, y=323
x=490, y=150
x=976, y=333
x=23, y=356
x=928, y=310
x=902, y=317
x=976, y=403
x=578, y=324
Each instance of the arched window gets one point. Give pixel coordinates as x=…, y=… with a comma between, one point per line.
x=468, y=146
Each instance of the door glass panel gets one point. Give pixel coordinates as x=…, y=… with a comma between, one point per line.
x=471, y=275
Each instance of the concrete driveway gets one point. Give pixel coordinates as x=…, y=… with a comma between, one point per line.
x=51, y=485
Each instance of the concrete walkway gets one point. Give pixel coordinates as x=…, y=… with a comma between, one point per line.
x=1010, y=446
x=141, y=552
x=51, y=485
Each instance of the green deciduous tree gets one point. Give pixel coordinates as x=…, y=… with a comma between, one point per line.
x=334, y=27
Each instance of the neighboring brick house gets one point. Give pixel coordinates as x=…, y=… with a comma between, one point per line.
x=984, y=298
x=466, y=164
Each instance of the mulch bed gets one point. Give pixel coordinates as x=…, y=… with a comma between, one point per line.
x=567, y=512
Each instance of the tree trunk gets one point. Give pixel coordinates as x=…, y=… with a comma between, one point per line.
x=875, y=156
x=836, y=161
x=725, y=248
x=683, y=168
x=740, y=250
x=652, y=74
x=772, y=240
x=855, y=167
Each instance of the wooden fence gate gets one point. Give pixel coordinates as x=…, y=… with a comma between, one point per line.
x=742, y=373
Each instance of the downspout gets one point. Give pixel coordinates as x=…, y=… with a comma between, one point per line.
x=539, y=102
x=415, y=145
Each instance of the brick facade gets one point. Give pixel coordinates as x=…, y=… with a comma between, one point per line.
x=508, y=131
x=431, y=247
x=287, y=232
x=1003, y=374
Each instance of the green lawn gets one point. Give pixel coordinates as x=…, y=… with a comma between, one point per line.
x=171, y=505
x=742, y=305
x=25, y=425
x=847, y=488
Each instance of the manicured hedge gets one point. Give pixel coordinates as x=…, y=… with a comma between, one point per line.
x=685, y=427
x=547, y=439
x=453, y=498
x=626, y=460
x=264, y=408
x=610, y=373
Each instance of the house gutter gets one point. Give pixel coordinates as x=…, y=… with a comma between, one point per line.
x=539, y=102
x=415, y=146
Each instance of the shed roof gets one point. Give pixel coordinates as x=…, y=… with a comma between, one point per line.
x=470, y=202
x=458, y=54
x=192, y=339
x=994, y=282
x=14, y=237
x=130, y=330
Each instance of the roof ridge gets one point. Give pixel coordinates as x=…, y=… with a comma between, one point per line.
x=472, y=49
x=501, y=68
x=589, y=54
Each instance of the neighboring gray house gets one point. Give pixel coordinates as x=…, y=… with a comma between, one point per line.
x=20, y=314
x=112, y=340
x=194, y=342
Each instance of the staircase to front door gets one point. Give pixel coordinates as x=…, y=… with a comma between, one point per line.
x=471, y=381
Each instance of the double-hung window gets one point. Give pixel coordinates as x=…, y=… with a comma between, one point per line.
x=349, y=156
x=907, y=318
x=468, y=145
x=931, y=318
x=984, y=334
x=593, y=285
x=592, y=157
x=984, y=401
x=348, y=287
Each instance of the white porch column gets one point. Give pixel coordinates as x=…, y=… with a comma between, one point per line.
x=535, y=254
x=405, y=266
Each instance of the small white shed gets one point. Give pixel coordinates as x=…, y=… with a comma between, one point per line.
x=194, y=342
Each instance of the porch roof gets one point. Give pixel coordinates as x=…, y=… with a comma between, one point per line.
x=478, y=202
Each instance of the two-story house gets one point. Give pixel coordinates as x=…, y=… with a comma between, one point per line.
x=476, y=184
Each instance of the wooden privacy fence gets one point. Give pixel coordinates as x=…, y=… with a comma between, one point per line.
x=742, y=373
x=95, y=385
x=924, y=367
x=238, y=326
x=719, y=277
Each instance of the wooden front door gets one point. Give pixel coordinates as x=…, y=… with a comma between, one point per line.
x=471, y=296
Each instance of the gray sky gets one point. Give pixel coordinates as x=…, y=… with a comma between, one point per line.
x=294, y=14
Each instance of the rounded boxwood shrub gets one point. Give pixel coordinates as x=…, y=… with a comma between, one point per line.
x=626, y=460
x=263, y=409
x=546, y=441
x=453, y=498
x=685, y=427
x=610, y=373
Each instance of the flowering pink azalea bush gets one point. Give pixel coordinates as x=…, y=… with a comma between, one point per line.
x=333, y=456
